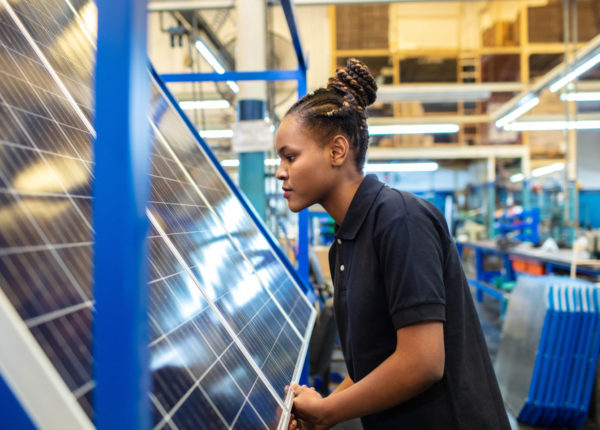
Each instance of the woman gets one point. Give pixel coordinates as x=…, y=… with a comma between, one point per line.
x=411, y=338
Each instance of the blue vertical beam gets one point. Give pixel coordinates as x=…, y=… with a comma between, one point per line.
x=573, y=201
x=491, y=207
x=303, y=270
x=252, y=164
x=122, y=162
x=303, y=218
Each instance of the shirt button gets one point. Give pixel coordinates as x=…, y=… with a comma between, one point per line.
x=339, y=241
x=342, y=268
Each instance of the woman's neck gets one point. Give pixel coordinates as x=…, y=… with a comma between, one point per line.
x=339, y=200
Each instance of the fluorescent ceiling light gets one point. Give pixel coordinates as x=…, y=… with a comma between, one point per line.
x=511, y=116
x=589, y=96
x=578, y=71
x=377, y=130
x=210, y=57
x=517, y=177
x=552, y=125
x=214, y=63
x=204, y=104
x=540, y=171
x=230, y=163
x=401, y=167
x=236, y=163
x=216, y=134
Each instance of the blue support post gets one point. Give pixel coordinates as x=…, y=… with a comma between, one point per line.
x=491, y=208
x=526, y=195
x=303, y=268
x=303, y=220
x=121, y=189
x=252, y=164
x=572, y=210
x=478, y=272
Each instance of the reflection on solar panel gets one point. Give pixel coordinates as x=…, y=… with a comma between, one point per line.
x=229, y=325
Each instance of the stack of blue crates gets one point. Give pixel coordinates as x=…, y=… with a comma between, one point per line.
x=563, y=374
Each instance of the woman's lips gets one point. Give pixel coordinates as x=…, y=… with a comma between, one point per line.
x=286, y=193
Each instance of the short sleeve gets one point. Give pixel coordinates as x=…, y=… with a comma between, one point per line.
x=411, y=255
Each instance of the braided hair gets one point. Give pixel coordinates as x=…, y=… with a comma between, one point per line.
x=340, y=108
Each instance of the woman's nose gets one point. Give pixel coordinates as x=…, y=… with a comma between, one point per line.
x=281, y=173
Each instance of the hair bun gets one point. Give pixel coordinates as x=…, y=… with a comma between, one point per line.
x=356, y=79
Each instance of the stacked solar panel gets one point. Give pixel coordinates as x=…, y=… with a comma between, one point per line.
x=557, y=373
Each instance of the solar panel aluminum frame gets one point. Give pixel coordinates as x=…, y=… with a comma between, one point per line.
x=33, y=379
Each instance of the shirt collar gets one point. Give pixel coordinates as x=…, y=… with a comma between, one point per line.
x=359, y=207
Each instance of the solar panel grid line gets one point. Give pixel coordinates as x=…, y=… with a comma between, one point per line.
x=29, y=249
x=74, y=70
x=196, y=385
x=49, y=67
x=42, y=319
x=186, y=162
x=33, y=378
x=161, y=410
x=89, y=34
x=200, y=331
x=41, y=233
x=222, y=319
x=44, y=156
x=162, y=139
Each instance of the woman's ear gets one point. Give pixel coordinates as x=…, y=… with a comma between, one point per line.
x=339, y=150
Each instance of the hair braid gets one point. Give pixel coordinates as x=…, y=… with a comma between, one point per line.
x=341, y=107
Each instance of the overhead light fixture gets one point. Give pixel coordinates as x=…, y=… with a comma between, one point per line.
x=517, y=177
x=236, y=163
x=378, y=130
x=552, y=125
x=216, y=134
x=401, y=167
x=514, y=114
x=588, y=96
x=204, y=104
x=540, y=171
x=214, y=62
x=230, y=163
x=587, y=65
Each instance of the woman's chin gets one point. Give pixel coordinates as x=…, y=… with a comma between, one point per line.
x=295, y=206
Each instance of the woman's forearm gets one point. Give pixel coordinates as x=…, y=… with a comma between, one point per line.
x=403, y=375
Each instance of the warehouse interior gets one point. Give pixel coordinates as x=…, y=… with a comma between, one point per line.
x=488, y=109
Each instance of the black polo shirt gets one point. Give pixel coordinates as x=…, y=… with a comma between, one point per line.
x=394, y=264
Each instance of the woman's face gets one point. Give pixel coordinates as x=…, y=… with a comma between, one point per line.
x=305, y=168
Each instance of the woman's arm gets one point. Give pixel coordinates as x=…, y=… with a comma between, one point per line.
x=416, y=364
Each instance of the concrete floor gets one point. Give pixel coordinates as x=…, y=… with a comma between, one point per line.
x=492, y=325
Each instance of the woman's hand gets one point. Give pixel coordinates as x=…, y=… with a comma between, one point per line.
x=308, y=404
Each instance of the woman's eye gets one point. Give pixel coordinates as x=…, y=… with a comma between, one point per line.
x=289, y=158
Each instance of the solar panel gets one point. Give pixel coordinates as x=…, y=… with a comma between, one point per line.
x=229, y=325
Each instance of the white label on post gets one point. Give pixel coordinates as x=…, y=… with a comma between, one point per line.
x=252, y=136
